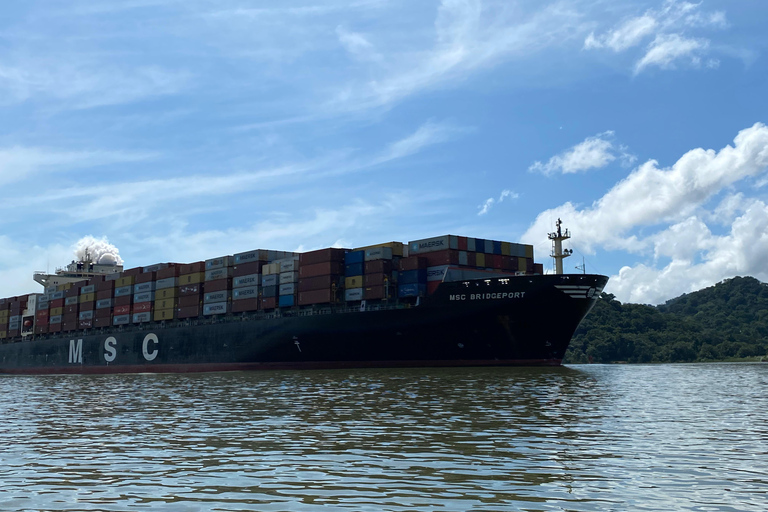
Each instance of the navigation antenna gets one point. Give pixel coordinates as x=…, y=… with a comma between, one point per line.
x=558, y=253
x=582, y=267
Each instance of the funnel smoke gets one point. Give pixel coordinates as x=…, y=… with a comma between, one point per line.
x=99, y=250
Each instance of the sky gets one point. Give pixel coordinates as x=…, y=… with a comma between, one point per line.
x=184, y=130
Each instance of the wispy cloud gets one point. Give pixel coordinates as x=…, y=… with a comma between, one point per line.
x=488, y=204
x=593, y=153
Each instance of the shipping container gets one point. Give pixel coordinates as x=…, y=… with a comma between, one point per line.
x=438, y=243
x=249, y=292
x=164, y=314
x=104, y=294
x=144, y=287
x=287, y=289
x=165, y=304
x=142, y=307
x=121, y=320
x=378, y=253
x=86, y=315
x=192, y=268
x=322, y=269
x=244, y=305
x=57, y=311
x=219, y=273
x=91, y=288
x=166, y=293
x=171, y=271
x=377, y=280
x=217, y=285
x=220, y=296
x=154, y=268
x=71, y=301
x=285, y=301
x=124, y=300
x=144, y=297
x=317, y=283
x=103, y=313
x=191, y=289
x=288, y=264
x=351, y=294
x=125, y=281
x=353, y=257
x=122, y=291
x=192, y=311
x=55, y=319
x=122, y=310
x=412, y=290
x=104, y=303
x=219, y=263
x=436, y=273
x=217, y=308
x=480, y=260
x=315, y=297
x=413, y=263
x=269, y=279
x=186, y=301
x=269, y=303
x=331, y=254
x=247, y=280
x=413, y=276
x=436, y=258
x=103, y=322
x=269, y=291
x=397, y=248
x=374, y=292
x=353, y=282
x=270, y=269
x=140, y=318
x=247, y=269
x=193, y=278
x=168, y=282
x=354, y=269
x=288, y=277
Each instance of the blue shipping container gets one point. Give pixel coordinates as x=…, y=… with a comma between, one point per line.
x=355, y=269
x=479, y=245
x=353, y=257
x=413, y=276
x=411, y=290
x=496, y=247
x=285, y=301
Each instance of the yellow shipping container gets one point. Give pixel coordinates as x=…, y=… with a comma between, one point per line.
x=397, y=248
x=480, y=259
x=63, y=287
x=166, y=293
x=124, y=281
x=3, y=334
x=272, y=268
x=353, y=282
x=196, y=278
x=87, y=297
x=522, y=264
x=165, y=314
x=165, y=303
x=4, y=314
x=529, y=252
x=56, y=311
x=506, y=249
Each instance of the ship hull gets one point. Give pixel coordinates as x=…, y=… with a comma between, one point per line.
x=521, y=320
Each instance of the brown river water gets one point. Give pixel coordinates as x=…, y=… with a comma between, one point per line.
x=579, y=438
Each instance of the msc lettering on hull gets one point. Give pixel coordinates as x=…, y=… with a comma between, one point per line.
x=487, y=296
x=149, y=349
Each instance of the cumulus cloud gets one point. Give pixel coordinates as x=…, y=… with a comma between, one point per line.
x=99, y=250
x=593, y=153
x=672, y=198
x=666, y=28
x=488, y=203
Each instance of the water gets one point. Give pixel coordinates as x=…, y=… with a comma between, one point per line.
x=582, y=438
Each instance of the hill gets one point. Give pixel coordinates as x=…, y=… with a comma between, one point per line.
x=725, y=321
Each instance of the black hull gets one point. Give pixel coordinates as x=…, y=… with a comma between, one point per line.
x=523, y=320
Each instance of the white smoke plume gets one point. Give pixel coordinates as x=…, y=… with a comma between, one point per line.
x=99, y=250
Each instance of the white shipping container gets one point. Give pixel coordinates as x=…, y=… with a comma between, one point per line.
x=437, y=273
x=122, y=319
x=55, y=319
x=103, y=303
x=154, y=268
x=144, y=297
x=353, y=294
x=86, y=315
x=287, y=289
x=220, y=262
x=91, y=288
x=168, y=282
x=140, y=318
x=269, y=279
x=249, y=292
x=289, y=277
x=71, y=301
x=144, y=287
x=219, y=273
x=57, y=295
x=218, y=308
x=272, y=268
x=438, y=243
x=221, y=296
x=249, y=280
x=288, y=264
x=378, y=253
x=112, y=277
x=123, y=291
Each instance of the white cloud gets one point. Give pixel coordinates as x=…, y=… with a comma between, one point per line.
x=667, y=26
x=356, y=44
x=593, y=152
x=651, y=196
x=486, y=206
x=666, y=49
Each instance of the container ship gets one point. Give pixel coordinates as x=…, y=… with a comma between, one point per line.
x=442, y=301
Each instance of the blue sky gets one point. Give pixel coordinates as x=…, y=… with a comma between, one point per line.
x=185, y=130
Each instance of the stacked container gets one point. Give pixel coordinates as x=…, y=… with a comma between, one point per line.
x=70, y=318
x=190, y=290
x=87, y=301
x=319, y=275
x=288, y=281
x=246, y=279
x=412, y=280
x=354, y=269
x=105, y=303
x=380, y=276
x=166, y=292
x=124, y=293
x=4, y=314
x=217, y=298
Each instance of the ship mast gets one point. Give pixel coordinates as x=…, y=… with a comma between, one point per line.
x=558, y=253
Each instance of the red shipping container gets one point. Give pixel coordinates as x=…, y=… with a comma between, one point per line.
x=432, y=286
x=471, y=259
x=246, y=269
x=529, y=265
x=269, y=302
x=132, y=272
x=308, y=284
x=104, y=294
x=190, y=289
x=446, y=257
x=96, y=280
x=13, y=333
x=322, y=269
x=538, y=268
x=142, y=307
x=105, y=286
x=145, y=277
x=219, y=285
x=171, y=271
x=104, y=313
x=124, y=300
x=103, y=321
x=239, y=306
x=376, y=279
x=462, y=243
x=69, y=326
x=192, y=268
x=85, y=324
x=190, y=300
x=322, y=256
x=315, y=297
x=495, y=260
x=54, y=328
x=378, y=267
x=413, y=263
x=374, y=292
x=71, y=309
x=124, y=309
x=188, y=312
x=74, y=291
x=509, y=263
x=43, y=314
x=87, y=306
x=41, y=329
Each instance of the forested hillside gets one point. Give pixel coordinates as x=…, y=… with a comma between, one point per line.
x=725, y=321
